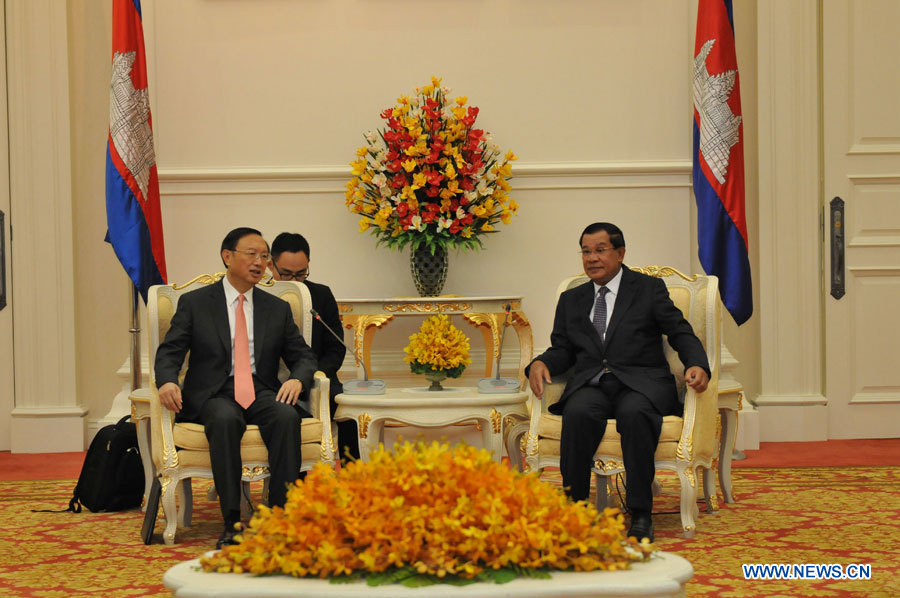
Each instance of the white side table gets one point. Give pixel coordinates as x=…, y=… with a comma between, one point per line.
x=421, y=407
x=665, y=575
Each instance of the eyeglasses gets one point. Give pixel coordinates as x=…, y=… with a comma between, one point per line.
x=253, y=255
x=599, y=251
x=288, y=275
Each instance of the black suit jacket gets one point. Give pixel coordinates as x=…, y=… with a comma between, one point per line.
x=200, y=325
x=633, y=350
x=329, y=351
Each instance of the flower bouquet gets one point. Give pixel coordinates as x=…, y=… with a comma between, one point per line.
x=428, y=514
x=430, y=179
x=439, y=350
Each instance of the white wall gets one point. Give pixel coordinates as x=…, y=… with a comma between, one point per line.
x=259, y=106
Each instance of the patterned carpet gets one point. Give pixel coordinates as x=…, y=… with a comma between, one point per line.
x=795, y=516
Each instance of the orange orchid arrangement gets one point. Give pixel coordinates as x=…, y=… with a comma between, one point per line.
x=430, y=177
x=427, y=514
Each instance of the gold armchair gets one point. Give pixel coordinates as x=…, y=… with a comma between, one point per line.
x=687, y=443
x=180, y=450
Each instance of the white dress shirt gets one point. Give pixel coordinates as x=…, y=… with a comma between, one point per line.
x=231, y=301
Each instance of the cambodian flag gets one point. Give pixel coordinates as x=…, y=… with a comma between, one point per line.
x=132, y=188
x=719, y=158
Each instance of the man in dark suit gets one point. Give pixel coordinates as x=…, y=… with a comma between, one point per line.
x=236, y=335
x=290, y=261
x=608, y=334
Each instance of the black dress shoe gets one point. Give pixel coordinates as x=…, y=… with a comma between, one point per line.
x=641, y=526
x=228, y=536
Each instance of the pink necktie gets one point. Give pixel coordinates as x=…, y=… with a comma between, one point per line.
x=244, y=393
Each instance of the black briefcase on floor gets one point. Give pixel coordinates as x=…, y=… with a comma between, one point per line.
x=112, y=477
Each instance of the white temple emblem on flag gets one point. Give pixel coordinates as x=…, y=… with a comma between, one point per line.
x=718, y=124
x=129, y=121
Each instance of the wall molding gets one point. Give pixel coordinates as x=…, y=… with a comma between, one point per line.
x=265, y=180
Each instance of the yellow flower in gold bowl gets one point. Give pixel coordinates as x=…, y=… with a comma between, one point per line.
x=427, y=514
x=438, y=350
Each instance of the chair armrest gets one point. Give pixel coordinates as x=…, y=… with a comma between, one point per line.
x=320, y=407
x=162, y=437
x=700, y=432
x=537, y=407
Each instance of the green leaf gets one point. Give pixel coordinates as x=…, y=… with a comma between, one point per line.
x=349, y=578
x=419, y=581
x=502, y=575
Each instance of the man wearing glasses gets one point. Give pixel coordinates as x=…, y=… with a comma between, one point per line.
x=608, y=333
x=237, y=336
x=290, y=261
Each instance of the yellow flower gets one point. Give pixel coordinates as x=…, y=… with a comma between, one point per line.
x=436, y=81
x=362, y=151
x=461, y=100
x=364, y=224
x=419, y=180
x=439, y=345
x=487, y=227
x=409, y=165
x=510, y=156
x=359, y=166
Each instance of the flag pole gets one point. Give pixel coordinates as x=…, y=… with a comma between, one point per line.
x=135, y=331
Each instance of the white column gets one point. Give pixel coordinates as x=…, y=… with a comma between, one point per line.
x=47, y=416
x=791, y=405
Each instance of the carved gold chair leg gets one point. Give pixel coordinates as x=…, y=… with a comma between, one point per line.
x=689, y=510
x=709, y=490
x=246, y=500
x=169, y=509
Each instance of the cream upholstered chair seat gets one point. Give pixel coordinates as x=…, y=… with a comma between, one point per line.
x=192, y=437
x=550, y=427
x=686, y=443
x=180, y=450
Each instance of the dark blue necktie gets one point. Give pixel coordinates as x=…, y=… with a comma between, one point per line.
x=600, y=312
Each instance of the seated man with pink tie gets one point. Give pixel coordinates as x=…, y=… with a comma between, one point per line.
x=236, y=335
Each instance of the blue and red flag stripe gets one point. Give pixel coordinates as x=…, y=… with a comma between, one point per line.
x=133, y=216
x=721, y=217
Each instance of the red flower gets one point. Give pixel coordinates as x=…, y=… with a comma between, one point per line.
x=402, y=209
x=395, y=166
x=467, y=184
x=467, y=219
x=387, y=113
x=432, y=191
x=434, y=177
x=391, y=136
x=473, y=112
x=455, y=227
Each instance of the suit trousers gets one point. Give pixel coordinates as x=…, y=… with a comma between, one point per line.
x=583, y=423
x=226, y=421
